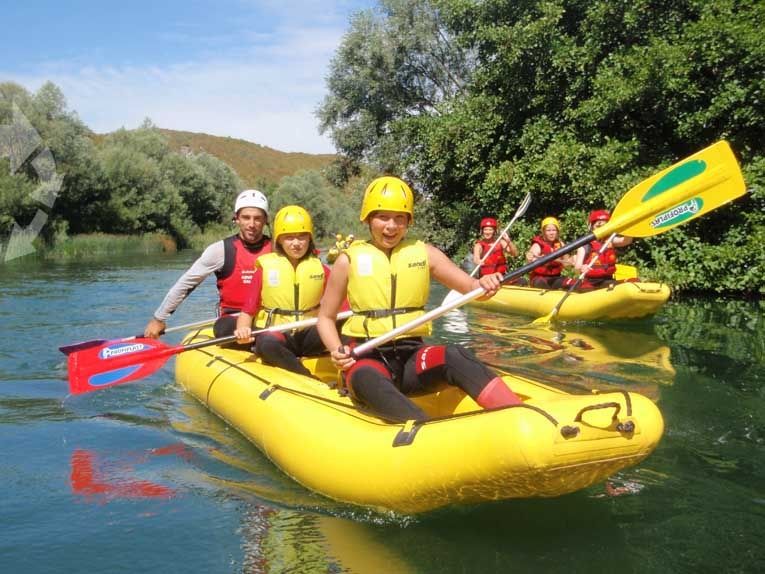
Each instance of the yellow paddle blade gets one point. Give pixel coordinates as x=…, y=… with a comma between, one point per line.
x=687, y=190
x=625, y=272
x=546, y=320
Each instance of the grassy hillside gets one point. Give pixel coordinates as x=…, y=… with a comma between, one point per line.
x=257, y=165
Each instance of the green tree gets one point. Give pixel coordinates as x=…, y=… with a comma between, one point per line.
x=205, y=184
x=574, y=101
x=141, y=198
x=330, y=208
x=396, y=62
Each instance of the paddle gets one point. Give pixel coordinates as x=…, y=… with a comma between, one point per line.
x=451, y=295
x=119, y=362
x=69, y=349
x=682, y=192
x=552, y=314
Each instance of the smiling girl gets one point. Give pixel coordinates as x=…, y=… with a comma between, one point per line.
x=287, y=286
x=387, y=282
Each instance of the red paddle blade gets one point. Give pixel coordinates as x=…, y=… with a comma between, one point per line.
x=81, y=346
x=116, y=362
x=69, y=349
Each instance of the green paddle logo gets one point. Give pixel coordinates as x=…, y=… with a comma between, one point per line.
x=678, y=214
x=675, y=177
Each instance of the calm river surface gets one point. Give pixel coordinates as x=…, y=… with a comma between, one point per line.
x=141, y=478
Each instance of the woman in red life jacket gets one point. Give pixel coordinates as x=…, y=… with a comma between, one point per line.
x=547, y=276
x=496, y=261
x=601, y=274
x=287, y=286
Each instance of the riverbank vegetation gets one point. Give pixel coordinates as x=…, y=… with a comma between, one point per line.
x=95, y=245
x=478, y=103
x=132, y=182
x=475, y=104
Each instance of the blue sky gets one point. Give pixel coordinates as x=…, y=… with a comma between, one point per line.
x=247, y=69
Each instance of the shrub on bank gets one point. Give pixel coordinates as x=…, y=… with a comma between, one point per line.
x=100, y=244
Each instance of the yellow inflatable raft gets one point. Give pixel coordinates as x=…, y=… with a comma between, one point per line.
x=622, y=301
x=552, y=444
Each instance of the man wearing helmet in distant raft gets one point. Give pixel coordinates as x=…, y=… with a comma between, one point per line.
x=287, y=287
x=233, y=262
x=547, y=276
x=601, y=273
x=387, y=281
x=495, y=261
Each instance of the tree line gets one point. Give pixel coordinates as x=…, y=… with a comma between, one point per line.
x=575, y=101
x=475, y=104
x=128, y=181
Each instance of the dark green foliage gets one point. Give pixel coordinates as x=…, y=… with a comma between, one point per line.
x=131, y=183
x=574, y=101
x=332, y=211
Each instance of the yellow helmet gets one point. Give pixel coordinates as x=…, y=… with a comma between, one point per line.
x=550, y=221
x=339, y=236
x=387, y=193
x=292, y=219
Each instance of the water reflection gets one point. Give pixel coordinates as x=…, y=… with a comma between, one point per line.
x=723, y=339
x=579, y=357
x=104, y=477
x=503, y=537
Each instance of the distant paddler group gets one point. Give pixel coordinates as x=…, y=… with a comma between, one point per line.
x=597, y=259
x=341, y=243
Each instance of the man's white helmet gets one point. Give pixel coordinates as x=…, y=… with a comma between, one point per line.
x=251, y=198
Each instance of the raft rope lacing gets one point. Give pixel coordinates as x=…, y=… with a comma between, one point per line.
x=275, y=386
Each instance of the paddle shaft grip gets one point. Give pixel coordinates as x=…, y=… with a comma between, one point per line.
x=302, y=324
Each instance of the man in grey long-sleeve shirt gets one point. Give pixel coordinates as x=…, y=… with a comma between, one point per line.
x=231, y=259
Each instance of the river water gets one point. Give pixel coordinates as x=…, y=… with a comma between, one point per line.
x=141, y=478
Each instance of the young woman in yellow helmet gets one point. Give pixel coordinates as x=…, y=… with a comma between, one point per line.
x=287, y=286
x=387, y=282
x=547, y=276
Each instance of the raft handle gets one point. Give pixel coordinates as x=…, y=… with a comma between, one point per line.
x=626, y=427
x=267, y=392
x=405, y=436
x=613, y=405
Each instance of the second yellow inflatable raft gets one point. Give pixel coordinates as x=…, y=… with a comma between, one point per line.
x=622, y=301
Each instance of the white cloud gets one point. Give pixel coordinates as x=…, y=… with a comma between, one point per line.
x=267, y=92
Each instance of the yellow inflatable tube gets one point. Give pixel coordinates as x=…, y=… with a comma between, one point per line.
x=622, y=301
x=553, y=444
